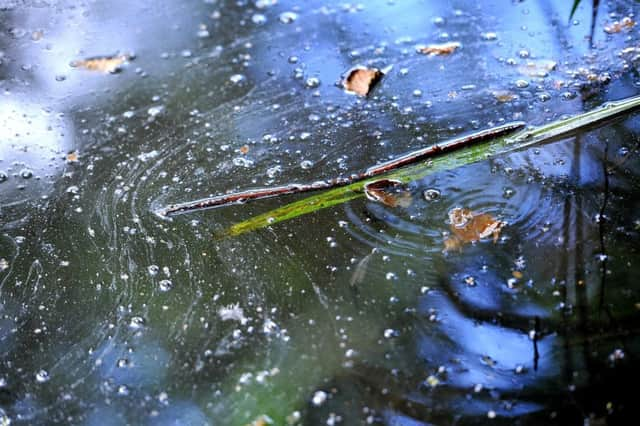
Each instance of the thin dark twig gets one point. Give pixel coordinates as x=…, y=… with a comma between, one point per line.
x=594, y=16
x=296, y=188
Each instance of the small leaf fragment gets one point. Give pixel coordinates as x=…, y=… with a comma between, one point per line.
x=503, y=96
x=106, y=64
x=360, y=80
x=468, y=226
x=390, y=192
x=72, y=157
x=439, y=49
x=617, y=26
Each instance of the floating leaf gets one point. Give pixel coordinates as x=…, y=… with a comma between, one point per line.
x=439, y=49
x=390, y=192
x=468, y=226
x=537, y=68
x=360, y=80
x=244, y=149
x=618, y=26
x=110, y=64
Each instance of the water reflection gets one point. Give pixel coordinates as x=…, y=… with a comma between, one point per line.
x=356, y=313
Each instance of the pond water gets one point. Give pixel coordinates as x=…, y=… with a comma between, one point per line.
x=354, y=314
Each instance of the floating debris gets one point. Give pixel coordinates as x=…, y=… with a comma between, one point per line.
x=503, y=96
x=72, y=157
x=439, y=49
x=468, y=226
x=617, y=26
x=106, y=64
x=390, y=192
x=537, y=68
x=361, y=80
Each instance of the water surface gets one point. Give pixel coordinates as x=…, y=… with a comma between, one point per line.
x=351, y=315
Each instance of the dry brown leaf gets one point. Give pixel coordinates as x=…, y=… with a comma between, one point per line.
x=517, y=275
x=106, y=64
x=468, y=226
x=244, y=149
x=361, y=80
x=72, y=157
x=439, y=49
x=618, y=26
x=390, y=192
x=537, y=68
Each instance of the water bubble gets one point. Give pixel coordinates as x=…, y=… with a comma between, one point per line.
x=136, y=322
x=489, y=36
x=155, y=110
x=42, y=376
x=312, y=82
x=306, y=164
x=26, y=173
x=122, y=363
x=202, y=31
x=293, y=59
x=258, y=19
x=153, y=270
x=237, y=78
x=389, y=333
x=3, y=176
x=431, y=194
x=508, y=192
x=521, y=84
x=123, y=390
x=60, y=77
x=165, y=285
x=319, y=397
x=288, y=17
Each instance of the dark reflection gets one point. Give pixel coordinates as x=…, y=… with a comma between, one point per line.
x=356, y=314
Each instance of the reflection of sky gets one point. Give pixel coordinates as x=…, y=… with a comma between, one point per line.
x=31, y=139
x=470, y=341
